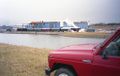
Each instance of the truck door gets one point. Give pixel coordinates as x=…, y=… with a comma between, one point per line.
x=108, y=62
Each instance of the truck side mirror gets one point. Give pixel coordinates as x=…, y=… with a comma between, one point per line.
x=104, y=55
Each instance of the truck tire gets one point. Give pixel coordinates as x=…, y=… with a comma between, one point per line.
x=64, y=72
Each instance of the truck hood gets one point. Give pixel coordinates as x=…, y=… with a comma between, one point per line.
x=82, y=47
x=80, y=51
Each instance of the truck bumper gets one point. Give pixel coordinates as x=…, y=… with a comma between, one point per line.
x=47, y=71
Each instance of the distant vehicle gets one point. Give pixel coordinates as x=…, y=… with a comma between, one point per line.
x=87, y=59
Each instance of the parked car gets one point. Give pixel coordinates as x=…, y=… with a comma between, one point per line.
x=87, y=59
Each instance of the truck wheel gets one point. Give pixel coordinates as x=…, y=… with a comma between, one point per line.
x=64, y=72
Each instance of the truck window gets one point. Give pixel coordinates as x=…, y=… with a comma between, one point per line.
x=113, y=49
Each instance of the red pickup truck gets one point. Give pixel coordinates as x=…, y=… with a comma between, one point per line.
x=87, y=59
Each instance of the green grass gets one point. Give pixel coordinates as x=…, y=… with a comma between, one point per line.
x=22, y=61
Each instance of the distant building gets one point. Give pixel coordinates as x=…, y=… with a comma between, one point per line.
x=82, y=25
x=44, y=25
x=56, y=25
x=5, y=28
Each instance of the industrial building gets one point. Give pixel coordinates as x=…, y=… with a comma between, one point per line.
x=57, y=25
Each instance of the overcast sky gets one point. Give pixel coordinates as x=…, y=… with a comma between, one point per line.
x=25, y=11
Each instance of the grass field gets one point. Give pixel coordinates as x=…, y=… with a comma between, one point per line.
x=22, y=61
x=86, y=34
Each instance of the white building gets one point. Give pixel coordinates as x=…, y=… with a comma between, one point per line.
x=82, y=24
